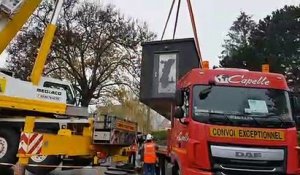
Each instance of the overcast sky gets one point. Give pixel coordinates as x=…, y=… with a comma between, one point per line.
x=213, y=18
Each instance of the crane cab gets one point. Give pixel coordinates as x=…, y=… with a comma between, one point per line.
x=61, y=85
x=10, y=7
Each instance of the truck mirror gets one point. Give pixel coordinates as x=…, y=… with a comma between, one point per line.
x=179, y=113
x=179, y=97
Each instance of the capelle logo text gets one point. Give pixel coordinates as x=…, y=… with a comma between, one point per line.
x=241, y=79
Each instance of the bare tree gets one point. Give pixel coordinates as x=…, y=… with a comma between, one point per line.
x=95, y=48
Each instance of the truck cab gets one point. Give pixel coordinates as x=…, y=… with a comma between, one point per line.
x=224, y=121
x=231, y=121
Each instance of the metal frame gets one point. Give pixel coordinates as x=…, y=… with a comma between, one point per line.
x=44, y=50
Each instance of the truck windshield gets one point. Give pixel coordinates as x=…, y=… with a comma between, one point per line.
x=242, y=106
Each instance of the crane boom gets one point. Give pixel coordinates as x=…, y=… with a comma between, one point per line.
x=13, y=15
x=40, y=61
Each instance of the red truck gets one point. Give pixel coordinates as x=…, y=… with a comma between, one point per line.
x=228, y=122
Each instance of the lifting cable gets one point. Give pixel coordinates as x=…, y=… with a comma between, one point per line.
x=167, y=22
x=176, y=20
x=194, y=27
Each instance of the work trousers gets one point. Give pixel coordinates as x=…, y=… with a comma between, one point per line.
x=132, y=158
x=149, y=168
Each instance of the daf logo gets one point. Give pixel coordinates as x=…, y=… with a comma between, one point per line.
x=247, y=155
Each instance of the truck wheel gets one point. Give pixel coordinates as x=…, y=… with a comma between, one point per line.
x=9, y=143
x=36, y=161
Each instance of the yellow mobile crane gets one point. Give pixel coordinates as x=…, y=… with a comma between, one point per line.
x=13, y=16
x=39, y=121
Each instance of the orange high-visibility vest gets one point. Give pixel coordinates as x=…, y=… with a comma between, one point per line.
x=149, y=153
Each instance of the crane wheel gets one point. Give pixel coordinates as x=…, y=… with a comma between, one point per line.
x=42, y=165
x=9, y=144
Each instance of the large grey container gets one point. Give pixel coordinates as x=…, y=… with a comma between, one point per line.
x=163, y=63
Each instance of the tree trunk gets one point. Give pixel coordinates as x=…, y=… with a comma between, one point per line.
x=85, y=102
x=86, y=97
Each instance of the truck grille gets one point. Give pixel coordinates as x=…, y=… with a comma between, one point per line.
x=228, y=160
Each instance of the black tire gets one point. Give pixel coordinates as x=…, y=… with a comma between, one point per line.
x=9, y=144
x=6, y=171
x=48, y=160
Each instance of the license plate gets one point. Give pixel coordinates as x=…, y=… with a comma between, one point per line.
x=247, y=133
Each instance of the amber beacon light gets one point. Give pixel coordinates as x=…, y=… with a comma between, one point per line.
x=266, y=68
x=205, y=64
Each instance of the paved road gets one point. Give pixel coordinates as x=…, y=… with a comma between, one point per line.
x=80, y=172
x=59, y=172
x=98, y=171
x=85, y=171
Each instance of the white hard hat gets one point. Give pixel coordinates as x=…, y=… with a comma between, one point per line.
x=149, y=137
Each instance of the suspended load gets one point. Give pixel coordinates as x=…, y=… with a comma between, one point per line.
x=163, y=63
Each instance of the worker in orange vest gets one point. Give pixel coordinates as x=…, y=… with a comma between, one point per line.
x=148, y=155
x=132, y=153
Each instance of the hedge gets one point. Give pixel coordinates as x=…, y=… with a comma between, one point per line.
x=160, y=137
